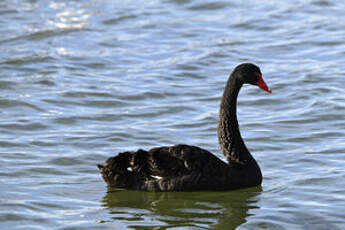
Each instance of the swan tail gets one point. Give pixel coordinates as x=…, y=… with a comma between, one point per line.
x=127, y=170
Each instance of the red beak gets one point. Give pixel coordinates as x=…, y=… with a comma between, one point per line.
x=263, y=85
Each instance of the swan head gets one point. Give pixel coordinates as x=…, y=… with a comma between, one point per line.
x=249, y=73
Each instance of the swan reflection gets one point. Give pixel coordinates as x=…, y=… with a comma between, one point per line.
x=192, y=210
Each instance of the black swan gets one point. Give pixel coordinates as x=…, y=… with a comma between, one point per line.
x=189, y=168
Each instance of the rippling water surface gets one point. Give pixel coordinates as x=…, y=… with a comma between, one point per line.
x=83, y=80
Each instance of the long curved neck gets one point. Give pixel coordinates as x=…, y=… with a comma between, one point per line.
x=229, y=136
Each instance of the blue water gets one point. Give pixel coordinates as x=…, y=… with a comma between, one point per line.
x=81, y=81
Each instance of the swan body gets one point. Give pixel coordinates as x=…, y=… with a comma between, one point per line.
x=190, y=168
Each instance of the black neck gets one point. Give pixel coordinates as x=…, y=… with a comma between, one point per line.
x=229, y=136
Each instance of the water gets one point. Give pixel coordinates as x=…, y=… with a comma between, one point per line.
x=83, y=80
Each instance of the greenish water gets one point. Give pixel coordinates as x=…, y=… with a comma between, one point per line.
x=81, y=81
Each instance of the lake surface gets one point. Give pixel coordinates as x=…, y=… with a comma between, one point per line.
x=83, y=80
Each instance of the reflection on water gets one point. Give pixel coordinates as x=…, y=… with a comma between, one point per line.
x=217, y=210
